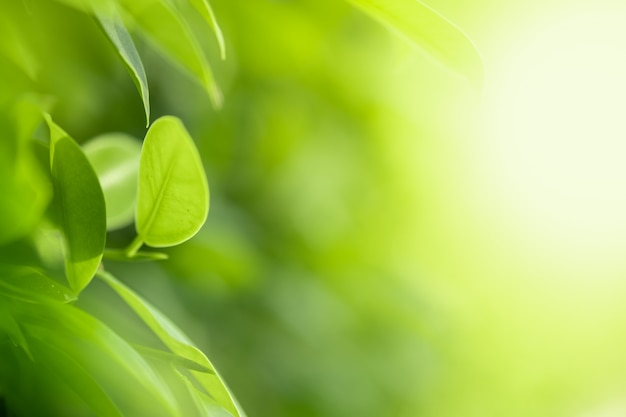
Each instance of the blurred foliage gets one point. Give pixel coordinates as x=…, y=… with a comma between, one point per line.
x=342, y=270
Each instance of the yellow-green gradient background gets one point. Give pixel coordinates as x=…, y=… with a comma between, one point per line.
x=385, y=239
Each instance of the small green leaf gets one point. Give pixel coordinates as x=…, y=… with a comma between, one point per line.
x=114, y=28
x=80, y=206
x=115, y=158
x=170, y=33
x=178, y=343
x=173, y=196
x=430, y=31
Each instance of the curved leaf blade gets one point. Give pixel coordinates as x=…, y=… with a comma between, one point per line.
x=80, y=206
x=430, y=31
x=170, y=33
x=178, y=343
x=33, y=286
x=204, y=8
x=115, y=158
x=173, y=195
x=113, y=26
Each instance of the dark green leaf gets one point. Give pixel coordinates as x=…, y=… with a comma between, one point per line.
x=31, y=285
x=80, y=207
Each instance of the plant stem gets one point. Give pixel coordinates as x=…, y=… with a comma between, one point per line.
x=134, y=246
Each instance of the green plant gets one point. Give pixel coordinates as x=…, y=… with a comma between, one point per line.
x=79, y=345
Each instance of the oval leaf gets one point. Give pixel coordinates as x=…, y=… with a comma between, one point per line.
x=115, y=158
x=80, y=207
x=114, y=28
x=173, y=195
x=431, y=32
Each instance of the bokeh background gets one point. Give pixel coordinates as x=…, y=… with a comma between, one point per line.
x=385, y=239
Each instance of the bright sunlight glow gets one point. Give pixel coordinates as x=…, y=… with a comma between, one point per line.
x=558, y=139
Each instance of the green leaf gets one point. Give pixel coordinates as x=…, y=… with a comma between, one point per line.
x=114, y=28
x=430, y=31
x=204, y=8
x=32, y=285
x=115, y=158
x=170, y=33
x=80, y=206
x=177, y=342
x=173, y=196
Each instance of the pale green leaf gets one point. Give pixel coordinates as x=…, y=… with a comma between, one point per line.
x=173, y=195
x=80, y=207
x=115, y=158
x=178, y=343
x=430, y=31
x=170, y=33
x=114, y=28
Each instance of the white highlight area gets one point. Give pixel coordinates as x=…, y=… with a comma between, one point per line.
x=557, y=137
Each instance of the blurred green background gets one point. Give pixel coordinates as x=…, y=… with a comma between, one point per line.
x=368, y=251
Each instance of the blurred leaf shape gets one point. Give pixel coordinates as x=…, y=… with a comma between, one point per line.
x=13, y=44
x=167, y=29
x=116, y=31
x=430, y=31
x=173, y=196
x=178, y=343
x=115, y=159
x=80, y=207
x=25, y=190
x=205, y=9
x=77, y=378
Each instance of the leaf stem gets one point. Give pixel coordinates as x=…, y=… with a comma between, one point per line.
x=134, y=246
